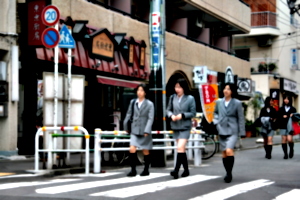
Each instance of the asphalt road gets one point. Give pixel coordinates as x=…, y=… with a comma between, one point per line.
x=254, y=177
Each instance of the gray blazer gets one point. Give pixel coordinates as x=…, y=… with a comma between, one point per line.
x=142, y=118
x=229, y=120
x=186, y=107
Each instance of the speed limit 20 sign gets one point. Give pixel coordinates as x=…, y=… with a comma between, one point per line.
x=50, y=15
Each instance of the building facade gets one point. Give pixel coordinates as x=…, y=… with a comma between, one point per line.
x=199, y=33
x=272, y=48
x=9, y=66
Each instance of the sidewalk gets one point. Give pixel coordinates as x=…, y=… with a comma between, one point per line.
x=16, y=165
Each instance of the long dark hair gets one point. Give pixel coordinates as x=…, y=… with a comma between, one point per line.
x=267, y=102
x=183, y=83
x=290, y=101
x=233, y=89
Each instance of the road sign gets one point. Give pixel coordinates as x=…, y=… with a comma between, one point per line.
x=50, y=37
x=66, y=39
x=50, y=15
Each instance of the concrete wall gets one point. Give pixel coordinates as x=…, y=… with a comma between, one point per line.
x=231, y=11
x=8, y=125
x=181, y=54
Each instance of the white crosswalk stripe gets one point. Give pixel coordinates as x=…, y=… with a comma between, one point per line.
x=153, y=187
x=234, y=190
x=291, y=195
x=95, y=184
x=28, y=184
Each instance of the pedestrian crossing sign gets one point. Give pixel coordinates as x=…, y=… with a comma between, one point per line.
x=66, y=39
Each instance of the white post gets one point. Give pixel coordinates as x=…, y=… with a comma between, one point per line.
x=97, y=153
x=197, y=151
x=55, y=110
x=50, y=147
x=190, y=143
x=69, y=100
x=36, y=155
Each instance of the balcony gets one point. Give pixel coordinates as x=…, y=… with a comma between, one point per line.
x=262, y=24
x=263, y=19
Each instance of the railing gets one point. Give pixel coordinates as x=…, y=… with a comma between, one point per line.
x=263, y=19
x=99, y=140
x=50, y=149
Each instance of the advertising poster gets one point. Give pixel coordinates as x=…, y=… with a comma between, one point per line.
x=274, y=93
x=208, y=95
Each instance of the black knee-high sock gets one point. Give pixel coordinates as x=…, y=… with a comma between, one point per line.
x=284, y=148
x=230, y=163
x=270, y=150
x=291, y=145
x=266, y=150
x=185, y=162
x=178, y=161
x=147, y=160
x=225, y=163
x=132, y=160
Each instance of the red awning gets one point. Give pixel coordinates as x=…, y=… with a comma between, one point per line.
x=117, y=82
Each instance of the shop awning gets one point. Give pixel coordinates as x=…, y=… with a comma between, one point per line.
x=117, y=82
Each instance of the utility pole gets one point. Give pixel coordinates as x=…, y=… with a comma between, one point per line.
x=157, y=76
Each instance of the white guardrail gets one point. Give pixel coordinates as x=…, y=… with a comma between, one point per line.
x=194, y=138
x=50, y=149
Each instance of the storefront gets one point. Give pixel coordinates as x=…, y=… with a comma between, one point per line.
x=113, y=65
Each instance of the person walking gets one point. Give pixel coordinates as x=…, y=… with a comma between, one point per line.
x=230, y=122
x=141, y=114
x=268, y=117
x=181, y=109
x=284, y=114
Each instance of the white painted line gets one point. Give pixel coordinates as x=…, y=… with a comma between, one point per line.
x=94, y=184
x=291, y=195
x=101, y=175
x=20, y=176
x=153, y=187
x=234, y=190
x=36, y=183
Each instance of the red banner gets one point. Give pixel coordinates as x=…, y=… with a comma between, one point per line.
x=208, y=95
x=35, y=24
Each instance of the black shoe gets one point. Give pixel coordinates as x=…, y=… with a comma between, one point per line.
x=285, y=157
x=131, y=173
x=145, y=173
x=185, y=174
x=174, y=174
x=228, y=178
x=269, y=157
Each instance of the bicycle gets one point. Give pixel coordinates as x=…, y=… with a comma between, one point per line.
x=210, y=145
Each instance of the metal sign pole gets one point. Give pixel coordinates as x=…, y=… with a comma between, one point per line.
x=55, y=110
x=69, y=100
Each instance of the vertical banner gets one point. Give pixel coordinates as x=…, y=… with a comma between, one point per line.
x=35, y=24
x=208, y=95
x=274, y=93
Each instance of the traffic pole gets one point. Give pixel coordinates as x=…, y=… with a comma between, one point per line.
x=55, y=110
x=69, y=99
x=157, y=76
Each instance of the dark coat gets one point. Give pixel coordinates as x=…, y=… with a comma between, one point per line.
x=272, y=114
x=282, y=122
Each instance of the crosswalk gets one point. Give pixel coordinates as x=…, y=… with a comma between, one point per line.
x=114, y=185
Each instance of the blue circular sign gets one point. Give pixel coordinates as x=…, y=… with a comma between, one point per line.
x=50, y=37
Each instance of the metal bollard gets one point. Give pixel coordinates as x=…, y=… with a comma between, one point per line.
x=190, y=151
x=97, y=153
x=197, y=151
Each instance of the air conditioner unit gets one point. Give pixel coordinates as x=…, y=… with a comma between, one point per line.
x=265, y=42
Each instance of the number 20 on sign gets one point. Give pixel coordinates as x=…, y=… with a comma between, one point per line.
x=50, y=15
